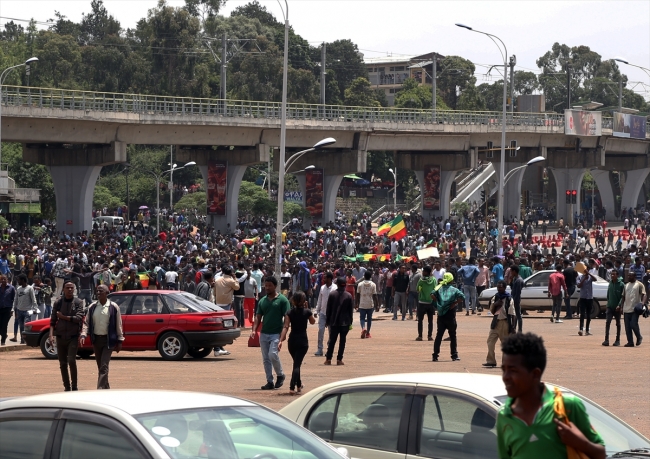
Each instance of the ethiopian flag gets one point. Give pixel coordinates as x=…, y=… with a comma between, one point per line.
x=397, y=229
x=144, y=280
x=251, y=241
x=385, y=228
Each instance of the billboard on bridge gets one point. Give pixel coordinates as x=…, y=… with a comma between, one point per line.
x=431, y=194
x=582, y=122
x=629, y=126
x=314, y=192
x=217, y=187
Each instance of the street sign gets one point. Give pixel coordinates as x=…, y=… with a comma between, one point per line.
x=68, y=222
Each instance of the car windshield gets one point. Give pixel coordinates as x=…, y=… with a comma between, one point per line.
x=616, y=435
x=232, y=433
x=195, y=302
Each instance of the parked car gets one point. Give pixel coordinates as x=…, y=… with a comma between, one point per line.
x=534, y=295
x=175, y=323
x=150, y=424
x=430, y=415
x=109, y=220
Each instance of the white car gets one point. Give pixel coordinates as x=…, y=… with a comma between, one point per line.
x=534, y=295
x=150, y=424
x=427, y=415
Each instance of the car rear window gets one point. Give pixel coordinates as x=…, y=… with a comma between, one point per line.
x=195, y=303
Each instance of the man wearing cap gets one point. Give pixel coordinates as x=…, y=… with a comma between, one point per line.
x=447, y=297
x=338, y=320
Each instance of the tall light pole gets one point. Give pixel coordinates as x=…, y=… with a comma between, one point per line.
x=3, y=75
x=394, y=188
x=278, y=224
x=624, y=61
x=502, y=166
x=171, y=182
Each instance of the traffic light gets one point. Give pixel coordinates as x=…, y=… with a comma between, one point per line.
x=483, y=196
x=568, y=196
x=574, y=196
x=513, y=148
x=490, y=153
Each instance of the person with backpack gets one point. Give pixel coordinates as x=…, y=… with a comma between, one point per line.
x=65, y=325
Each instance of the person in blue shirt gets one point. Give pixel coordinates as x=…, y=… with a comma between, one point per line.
x=497, y=271
x=4, y=264
x=468, y=275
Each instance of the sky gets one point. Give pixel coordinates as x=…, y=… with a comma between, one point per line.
x=411, y=27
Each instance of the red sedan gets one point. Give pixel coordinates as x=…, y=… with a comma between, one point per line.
x=175, y=323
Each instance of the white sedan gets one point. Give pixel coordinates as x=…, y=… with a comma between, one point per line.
x=534, y=295
x=427, y=415
x=150, y=425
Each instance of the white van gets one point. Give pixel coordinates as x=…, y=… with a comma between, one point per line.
x=110, y=221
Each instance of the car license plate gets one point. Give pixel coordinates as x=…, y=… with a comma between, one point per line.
x=229, y=323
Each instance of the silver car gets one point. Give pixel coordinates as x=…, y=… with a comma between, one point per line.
x=534, y=295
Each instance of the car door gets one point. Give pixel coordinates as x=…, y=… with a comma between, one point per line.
x=27, y=433
x=535, y=291
x=368, y=421
x=449, y=425
x=123, y=302
x=147, y=318
x=83, y=435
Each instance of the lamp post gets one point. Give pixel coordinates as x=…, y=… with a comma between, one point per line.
x=504, y=54
x=171, y=182
x=283, y=167
x=3, y=75
x=394, y=188
x=624, y=61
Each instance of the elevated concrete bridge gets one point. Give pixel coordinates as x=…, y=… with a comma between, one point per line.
x=75, y=133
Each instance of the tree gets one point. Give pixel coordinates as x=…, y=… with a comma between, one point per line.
x=193, y=202
x=525, y=82
x=98, y=24
x=254, y=200
x=4, y=224
x=415, y=95
x=254, y=10
x=104, y=198
x=345, y=60
x=456, y=74
x=293, y=210
x=361, y=94
x=204, y=8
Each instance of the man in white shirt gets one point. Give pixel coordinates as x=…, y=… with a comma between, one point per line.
x=438, y=271
x=367, y=301
x=170, y=280
x=321, y=308
x=633, y=294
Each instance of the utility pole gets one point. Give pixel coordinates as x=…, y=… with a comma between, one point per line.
x=435, y=89
x=513, y=62
x=620, y=95
x=322, y=73
x=568, y=87
x=224, y=69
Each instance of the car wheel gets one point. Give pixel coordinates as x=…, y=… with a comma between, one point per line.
x=172, y=346
x=47, y=348
x=199, y=352
x=595, y=310
x=85, y=353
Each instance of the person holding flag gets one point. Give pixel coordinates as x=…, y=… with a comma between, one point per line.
x=447, y=297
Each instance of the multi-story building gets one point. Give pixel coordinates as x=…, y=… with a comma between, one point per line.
x=389, y=72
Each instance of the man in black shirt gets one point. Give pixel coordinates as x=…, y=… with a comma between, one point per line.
x=65, y=324
x=400, y=291
x=338, y=320
x=570, y=277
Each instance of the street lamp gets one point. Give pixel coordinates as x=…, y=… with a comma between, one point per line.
x=171, y=182
x=536, y=159
x=624, y=61
x=394, y=188
x=283, y=167
x=504, y=54
x=2, y=78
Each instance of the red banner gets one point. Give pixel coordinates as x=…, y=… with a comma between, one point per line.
x=314, y=192
x=431, y=195
x=217, y=186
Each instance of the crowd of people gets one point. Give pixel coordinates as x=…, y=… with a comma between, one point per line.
x=333, y=271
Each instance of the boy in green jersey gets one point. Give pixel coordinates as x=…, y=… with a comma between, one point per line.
x=527, y=425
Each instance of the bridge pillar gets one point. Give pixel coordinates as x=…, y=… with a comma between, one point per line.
x=331, y=184
x=606, y=193
x=633, y=185
x=567, y=179
x=237, y=161
x=74, y=173
x=446, y=181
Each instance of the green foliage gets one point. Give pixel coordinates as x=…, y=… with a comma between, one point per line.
x=361, y=94
x=255, y=201
x=103, y=198
x=291, y=210
x=344, y=59
x=193, y=202
x=415, y=95
x=28, y=175
x=254, y=10
x=460, y=208
x=455, y=75
x=37, y=231
x=4, y=224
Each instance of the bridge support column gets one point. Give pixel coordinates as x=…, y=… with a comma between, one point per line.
x=331, y=184
x=238, y=161
x=567, y=179
x=74, y=173
x=633, y=185
x=446, y=180
x=606, y=193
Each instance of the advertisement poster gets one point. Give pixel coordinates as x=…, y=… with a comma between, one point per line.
x=293, y=196
x=581, y=122
x=431, y=196
x=314, y=192
x=629, y=126
x=217, y=186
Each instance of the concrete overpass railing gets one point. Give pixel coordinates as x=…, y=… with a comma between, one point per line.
x=67, y=99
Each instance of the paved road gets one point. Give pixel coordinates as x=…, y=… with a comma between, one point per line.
x=613, y=377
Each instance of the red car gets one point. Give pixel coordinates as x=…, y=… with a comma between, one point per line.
x=173, y=322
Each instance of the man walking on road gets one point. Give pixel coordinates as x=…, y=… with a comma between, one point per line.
x=339, y=319
x=447, y=298
x=633, y=295
x=501, y=325
x=400, y=292
x=468, y=274
x=614, y=306
x=24, y=301
x=272, y=308
x=321, y=309
x=7, y=295
x=557, y=283
x=104, y=327
x=426, y=304
x=65, y=325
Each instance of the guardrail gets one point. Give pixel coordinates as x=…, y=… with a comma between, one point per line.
x=68, y=99
x=21, y=194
